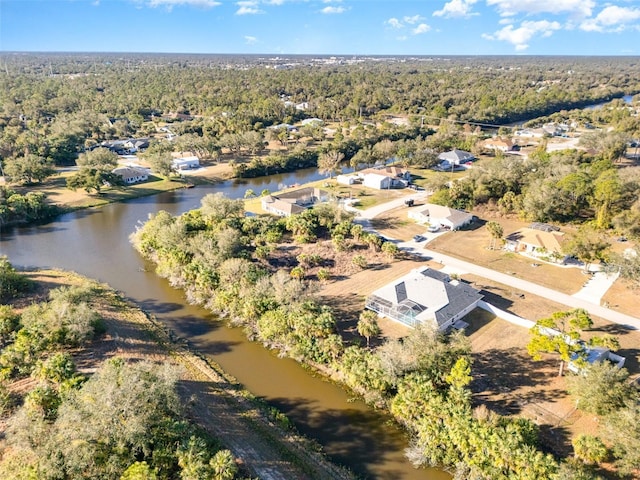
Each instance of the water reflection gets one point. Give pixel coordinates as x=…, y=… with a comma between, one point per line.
x=95, y=243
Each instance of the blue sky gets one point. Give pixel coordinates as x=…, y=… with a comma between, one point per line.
x=417, y=27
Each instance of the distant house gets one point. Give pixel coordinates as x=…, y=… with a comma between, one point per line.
x=131, y=175
x=175, y=116
x=385, y=177
x=185, y=163
x=530, y=133
x=498, y=144
x=136, y=144
x=441, y=216
x=283, y=126
x=424, y=296
x=295, y=201
x=456, y=157
x=312, y=121
x=538, y=240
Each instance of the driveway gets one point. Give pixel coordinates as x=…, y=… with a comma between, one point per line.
x=585, y=298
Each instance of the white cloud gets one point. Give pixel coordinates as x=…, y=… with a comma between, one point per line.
x=575, y=8
x=330, y=10
x=172, y=3
x=413, y=20
x=394, y=23
x=520, y=36
x=402, y=38
x=422, y=28
x=456, y=9
x=248, y=7
x=405, y=22
x=250, y=40
x=611, y=18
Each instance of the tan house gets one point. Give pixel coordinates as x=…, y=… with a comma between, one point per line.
x=131, y=175
x=498, y=144
x=295, y=201
x=537, y=242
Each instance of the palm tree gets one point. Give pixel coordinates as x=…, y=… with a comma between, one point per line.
x=330, y=162
x=496, y=231
x=368, y=325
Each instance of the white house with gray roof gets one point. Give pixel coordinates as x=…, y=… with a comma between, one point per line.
x=455, y=157
x=424, y=296
x=438, y=215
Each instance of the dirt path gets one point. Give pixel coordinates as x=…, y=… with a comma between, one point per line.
x=211, y=399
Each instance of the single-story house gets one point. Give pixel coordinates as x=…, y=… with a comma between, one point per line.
x=456, y=157
x=441, y=216
x=536, y=241
x=591, y=355
x=424, y=296
x=131, y=174
x=283, y=126
x=348, y=179
x=528, y=132
x=295, y=201
x=136, y=144
x=498, y=144
x=311, y=121
x=185, y=163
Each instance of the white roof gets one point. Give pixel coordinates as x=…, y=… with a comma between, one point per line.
x=421, y=289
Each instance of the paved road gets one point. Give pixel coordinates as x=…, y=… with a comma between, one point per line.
x=524, y=285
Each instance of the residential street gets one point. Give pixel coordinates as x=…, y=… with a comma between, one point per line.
x=580, y=300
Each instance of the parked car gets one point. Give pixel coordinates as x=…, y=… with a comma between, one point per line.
x=419, y=238
x=433, y=228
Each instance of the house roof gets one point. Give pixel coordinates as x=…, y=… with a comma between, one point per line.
x=386, y=171
x=550, y=241
x=432, y=210
x=497, y=143
x=130, y=172
x=289, y=207
x=430, y=294
x=456, y=155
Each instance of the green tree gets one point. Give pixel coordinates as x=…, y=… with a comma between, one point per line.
x=160, y=163
x=587, y=246
x=390, y=249
x=496, y=231
x=223, y=465
x=12, y=283
x=589, y=449
x=607, y=192
x=140, y=471
x=368, y=325
x=100, y=158
x=359, y=261
x=559, y=334
x=91, y=178
x=329, y=163
x=28, y=169
x=622, y=429
x=601, y=388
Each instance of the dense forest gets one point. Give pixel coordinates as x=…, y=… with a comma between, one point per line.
x=56, y=105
